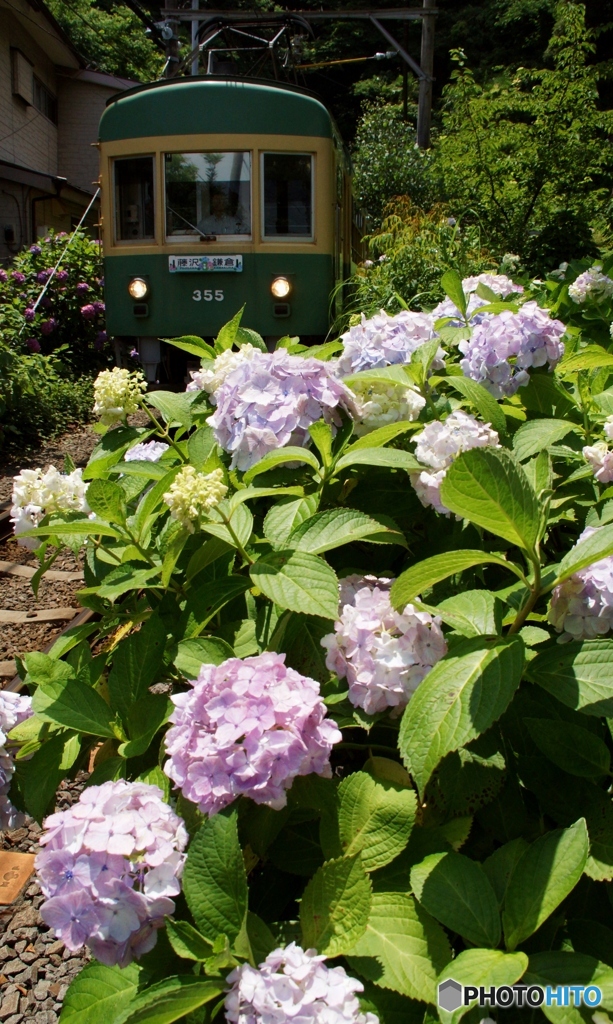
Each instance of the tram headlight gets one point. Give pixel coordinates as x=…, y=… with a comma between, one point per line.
x=138, y=288
x=280, y=287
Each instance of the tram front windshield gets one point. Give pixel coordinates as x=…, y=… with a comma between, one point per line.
x=208, y=194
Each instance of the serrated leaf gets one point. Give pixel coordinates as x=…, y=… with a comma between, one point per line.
x=335, y=906
x=579, y=674
x=171, y=999
x=559, y=967
x=473, y=613
x=388, y=458
x=573, y=749
x=99, y=994
x=501, y=864
x=383, y=435
x=285, y=516
x=227, y=334
x=200, y=445
x=412, y=582
x=43, y=669
x=591, y=357
x=403, y=948
x=193, y=344
x=460, y=698
x=205, y=601
x=321, y=433
x=74, y=704
x=214, y=879
x=40, y=776
x=200, y=650
x=337, y=526
x=107, y=500
x=452, y=286
x=241, y=525
x=481, y=968
x=375, y=818
x=545, y=874
x=488, y=487
x=175, y=408
x=297, y=581
x=136, y=664
x=280, y=456
x=187, y=941
x=479, y=397
x=536, y=435
x=74, y=528
x=144, y=719
x=455, y=890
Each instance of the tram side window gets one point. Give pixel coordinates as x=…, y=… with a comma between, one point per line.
x=208, y=194
x=288, y=195
x=134, y=194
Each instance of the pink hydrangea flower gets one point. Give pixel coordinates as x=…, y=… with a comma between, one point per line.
x=383, y=654
x=109, y=867
x=88, y=312
x=582, y=607
x=293, y=984
x=247, y=728
x=270, y=401
x=600, y=458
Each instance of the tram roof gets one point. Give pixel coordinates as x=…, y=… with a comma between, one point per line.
x=212, y=105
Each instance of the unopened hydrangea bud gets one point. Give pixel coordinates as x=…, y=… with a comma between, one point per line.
x=109, y=866
x=384, y=654
x=213, y=372
x=439, y=443
x=294, y=984
x=117, y=393
x=37, y=493
x=270, y=400
x=382, y=402
x=14, y=709
x=385, y=340
x=192, y=495
x=591, y=284
x=582, y=606
x=600, y=458
x=247, y=728
x=146, y=451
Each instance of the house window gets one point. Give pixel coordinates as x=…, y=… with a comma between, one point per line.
x=43, y=100
x=22, y=76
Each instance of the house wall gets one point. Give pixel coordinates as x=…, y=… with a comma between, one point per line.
x=80, y=107
x=27, y=137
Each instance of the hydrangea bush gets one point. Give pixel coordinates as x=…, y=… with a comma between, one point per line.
x=346, y=703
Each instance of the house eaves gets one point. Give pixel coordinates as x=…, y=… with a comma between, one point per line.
x=38, y=21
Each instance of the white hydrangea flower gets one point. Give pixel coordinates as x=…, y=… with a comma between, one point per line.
x=439, y=443
x=383, y=654
x=591, y=284
x=192, y=495
x=213, y=372
x=146, y=451
x=382, y=402
x=582, y=607
x=600, y=458
x=117, y=394
x=608, y=428
x=294, y=985
x=37, y=493
x=385, y=340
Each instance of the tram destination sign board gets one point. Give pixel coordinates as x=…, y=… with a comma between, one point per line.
x=203, y=264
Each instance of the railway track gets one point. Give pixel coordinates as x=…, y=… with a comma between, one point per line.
x=69, y=616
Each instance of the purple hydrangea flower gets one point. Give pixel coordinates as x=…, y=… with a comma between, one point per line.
x=33, y=344
x=48, y=326
x=99, y=341
x=29, y=314
x=294, y=985
x=134, y=353
x=109, y=866
x=247, y=728
x=45, y=302
x=500, y=284
x=44, y=275
x=582, y=606
x=62, y=275
x=503, y=347
x=88, y=312
x=271, y=400
x=99, y=306
x=383, y=654
x=35, y=250
x=82, y=288
x=3, y=276
x=18, y=276
x=14, y=709
x=385, y=340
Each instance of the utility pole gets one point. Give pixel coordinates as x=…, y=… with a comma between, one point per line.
x=195, y=27
x=424, y=110
x=172, y=44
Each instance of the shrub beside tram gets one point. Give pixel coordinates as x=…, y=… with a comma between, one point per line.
x=218, y=193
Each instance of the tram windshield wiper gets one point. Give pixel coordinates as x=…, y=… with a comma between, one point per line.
x=203, y=237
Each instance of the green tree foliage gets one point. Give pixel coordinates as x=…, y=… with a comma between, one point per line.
x=111, y=36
